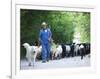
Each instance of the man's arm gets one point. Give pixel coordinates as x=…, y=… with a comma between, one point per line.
x=40, y=36
x=50, y=34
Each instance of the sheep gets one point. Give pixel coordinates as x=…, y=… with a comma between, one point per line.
x=53, y=50
x=76, y=49
x=58, y=51
x=31, y=53
x=82, y=50
x=68, y=49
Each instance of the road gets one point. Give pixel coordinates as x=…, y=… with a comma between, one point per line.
x=61, y=63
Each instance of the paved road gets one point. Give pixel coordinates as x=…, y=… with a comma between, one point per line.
x=62, y=63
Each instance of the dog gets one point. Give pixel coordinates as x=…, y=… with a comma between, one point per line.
x=31, y=53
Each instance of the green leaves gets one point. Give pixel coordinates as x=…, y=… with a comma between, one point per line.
x=62, y=24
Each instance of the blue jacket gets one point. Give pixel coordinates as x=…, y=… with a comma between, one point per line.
x=45, y=35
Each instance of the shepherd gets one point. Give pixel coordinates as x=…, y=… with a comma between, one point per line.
x=45, y=40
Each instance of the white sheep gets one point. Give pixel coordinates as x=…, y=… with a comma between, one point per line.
x=31, y=53
x=68, y=49
x=58, y=51
x=53, y=50
x=76, y=48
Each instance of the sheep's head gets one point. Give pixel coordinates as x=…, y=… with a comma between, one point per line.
x=25, y=45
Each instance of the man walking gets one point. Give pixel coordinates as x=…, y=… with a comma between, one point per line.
x=45, y=38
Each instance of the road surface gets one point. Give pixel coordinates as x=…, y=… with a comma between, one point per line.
x=61, y=63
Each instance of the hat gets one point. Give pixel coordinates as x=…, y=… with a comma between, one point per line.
x=44, y=23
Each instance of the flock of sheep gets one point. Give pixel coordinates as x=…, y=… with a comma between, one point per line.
x=57, y=51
